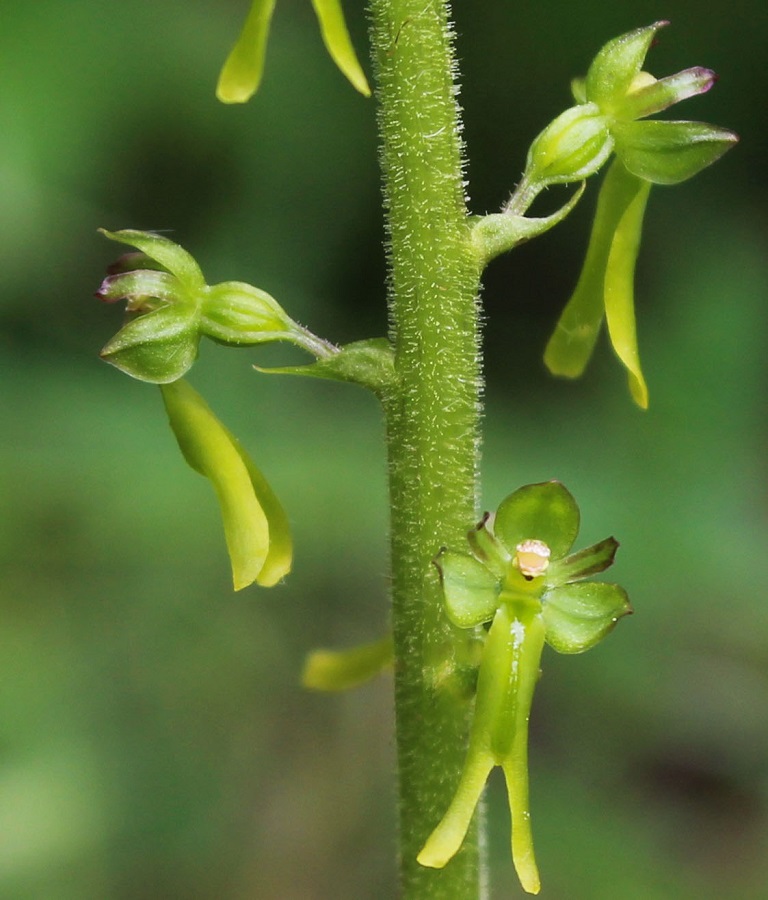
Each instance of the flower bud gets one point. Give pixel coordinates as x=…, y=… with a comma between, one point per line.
x=570, y=148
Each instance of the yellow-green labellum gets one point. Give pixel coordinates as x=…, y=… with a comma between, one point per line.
x=340, y=670
x=255, y=525
x=241, y=75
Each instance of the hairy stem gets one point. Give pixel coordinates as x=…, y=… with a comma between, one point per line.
x=432, y=419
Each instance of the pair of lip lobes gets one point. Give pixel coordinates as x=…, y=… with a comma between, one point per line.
x=499, y=737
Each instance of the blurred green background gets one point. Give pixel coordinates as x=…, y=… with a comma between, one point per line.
x=154, y=740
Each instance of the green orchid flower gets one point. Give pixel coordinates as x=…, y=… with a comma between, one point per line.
x=615, y=95
x=522, y=578
x=241, y=75
x=170, y=307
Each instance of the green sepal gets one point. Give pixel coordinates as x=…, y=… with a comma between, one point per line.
x=158, y=346
x=545, y=512
x=659, y=94
x=616, y=65
x=369, y=363
x=255, y=525
x=497, y=233
x=583, y=563
x=664, y=152
x=333, y=29
x=164, y=252
x=605, y=283
x=241, y=74
x=578, y=616
x=341, y=670
x=470, y=590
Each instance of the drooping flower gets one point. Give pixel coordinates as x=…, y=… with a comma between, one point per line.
x=170, y=307
x=618, y=94
x=522, y=578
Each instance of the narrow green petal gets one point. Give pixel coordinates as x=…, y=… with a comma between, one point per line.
x=492, y=553
x=619, y=287
x=247, y=504
x=578, y=616
x=169, y=255
x=470, y=590
x=545, y=512
x=241, y=74
x=340, y=670
x=337, y=41
x=662, y=93
x=589, y=561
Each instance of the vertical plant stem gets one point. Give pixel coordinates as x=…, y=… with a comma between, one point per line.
x=432, y=419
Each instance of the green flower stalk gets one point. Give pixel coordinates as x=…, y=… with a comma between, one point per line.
x=522, y=579
x=242, y=72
